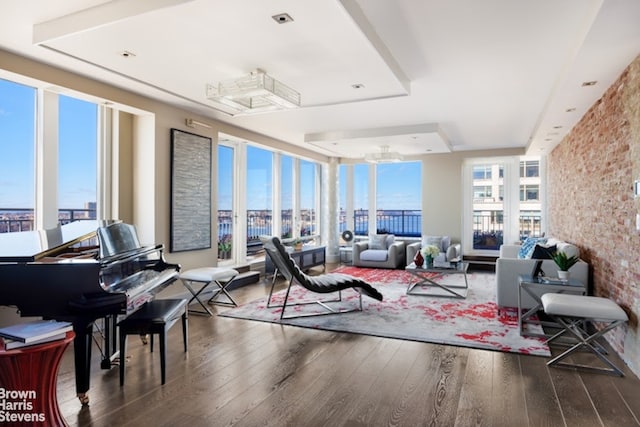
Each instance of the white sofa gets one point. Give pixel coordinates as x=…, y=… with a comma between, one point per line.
x=509, y=267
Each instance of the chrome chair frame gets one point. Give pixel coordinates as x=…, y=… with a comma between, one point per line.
x=576, y=327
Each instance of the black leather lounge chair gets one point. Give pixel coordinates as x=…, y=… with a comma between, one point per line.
x=322, y=284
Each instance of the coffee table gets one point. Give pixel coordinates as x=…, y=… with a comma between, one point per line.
x=437, y=289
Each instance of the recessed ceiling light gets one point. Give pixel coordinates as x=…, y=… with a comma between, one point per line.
x=557, y=127
x=357, y=86
x=127, y=54
x=590, y=83
x=570, y=110
x=282, y=18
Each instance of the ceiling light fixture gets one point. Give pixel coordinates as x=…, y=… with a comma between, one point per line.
x=590, y=83
x=384, y=156
x=254, y=93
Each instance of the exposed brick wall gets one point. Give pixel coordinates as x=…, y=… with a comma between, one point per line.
x=590, y=200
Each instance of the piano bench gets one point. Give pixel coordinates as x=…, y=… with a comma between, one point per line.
x=219, y=277
x=154, y=317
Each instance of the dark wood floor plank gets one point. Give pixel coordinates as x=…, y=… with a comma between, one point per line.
x=418, y=389
x=436, y=399
x=477, y=392
x=575, y=403
x=373, y=378
x=282, y=378
x=321, y=394
x=540, y=395
x=510, y=408
x=376, y=407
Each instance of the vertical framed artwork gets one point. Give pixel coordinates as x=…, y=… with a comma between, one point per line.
x=190, y=191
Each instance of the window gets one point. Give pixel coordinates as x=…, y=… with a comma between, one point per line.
x=343, y=223
x=529, y=169
x=398, y=207
x=77, y=159
x=361, y=199
x=514, y=214
x=529, y=193
x=225, y=183
x=308, y=197
x=17, y=163
x=259, y=195
x=481, y=192
x=482, y=172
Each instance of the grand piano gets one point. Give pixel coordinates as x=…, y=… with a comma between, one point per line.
x=86, y=273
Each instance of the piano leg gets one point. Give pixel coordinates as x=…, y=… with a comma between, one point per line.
x=110, y=339
x=82, y=358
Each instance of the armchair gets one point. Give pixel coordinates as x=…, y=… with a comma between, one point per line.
x=448, y=251
x=380, y=251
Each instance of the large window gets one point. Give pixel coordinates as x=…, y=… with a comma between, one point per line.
x=517, y=211
x=361, y=199
x=308, y=198
x=77, y=159
x=398, y=206
x=17, y=162
x=259, y=196
x=225, y=185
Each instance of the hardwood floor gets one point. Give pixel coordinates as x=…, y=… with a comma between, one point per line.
x=251, y=373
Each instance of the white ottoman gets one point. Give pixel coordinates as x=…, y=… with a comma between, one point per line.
x=571, y=312
x=220, y=277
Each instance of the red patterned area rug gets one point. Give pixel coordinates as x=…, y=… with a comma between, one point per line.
x=470, y=322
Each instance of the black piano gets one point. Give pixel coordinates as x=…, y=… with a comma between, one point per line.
x=85, y=274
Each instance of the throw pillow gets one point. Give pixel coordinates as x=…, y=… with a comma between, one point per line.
x=543, y=252
x=378, y=241
x=389, y=240
x=527, y=247
x=432, y=240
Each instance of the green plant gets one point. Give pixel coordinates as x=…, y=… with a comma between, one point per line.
x=224, y=244
x=563, y=261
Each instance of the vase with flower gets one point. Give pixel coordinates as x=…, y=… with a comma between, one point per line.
x=430, y=252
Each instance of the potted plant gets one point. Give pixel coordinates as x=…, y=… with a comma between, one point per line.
x=297, y=244
x=224, y=247
x=430, y=252
x=564, y=263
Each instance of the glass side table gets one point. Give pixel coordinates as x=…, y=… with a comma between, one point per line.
x=535, y=287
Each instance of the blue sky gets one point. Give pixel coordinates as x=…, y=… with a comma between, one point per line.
x=77, y=149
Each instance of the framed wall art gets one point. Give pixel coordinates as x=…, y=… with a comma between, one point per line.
x=190, y=191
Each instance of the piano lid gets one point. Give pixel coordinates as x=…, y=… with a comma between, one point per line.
x=29, y=246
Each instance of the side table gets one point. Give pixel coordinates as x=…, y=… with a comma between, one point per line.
x=542, y=285
x=346, y=255
x=28, y=378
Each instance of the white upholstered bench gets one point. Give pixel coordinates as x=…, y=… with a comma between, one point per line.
x=219, y=277
x=572, y=312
